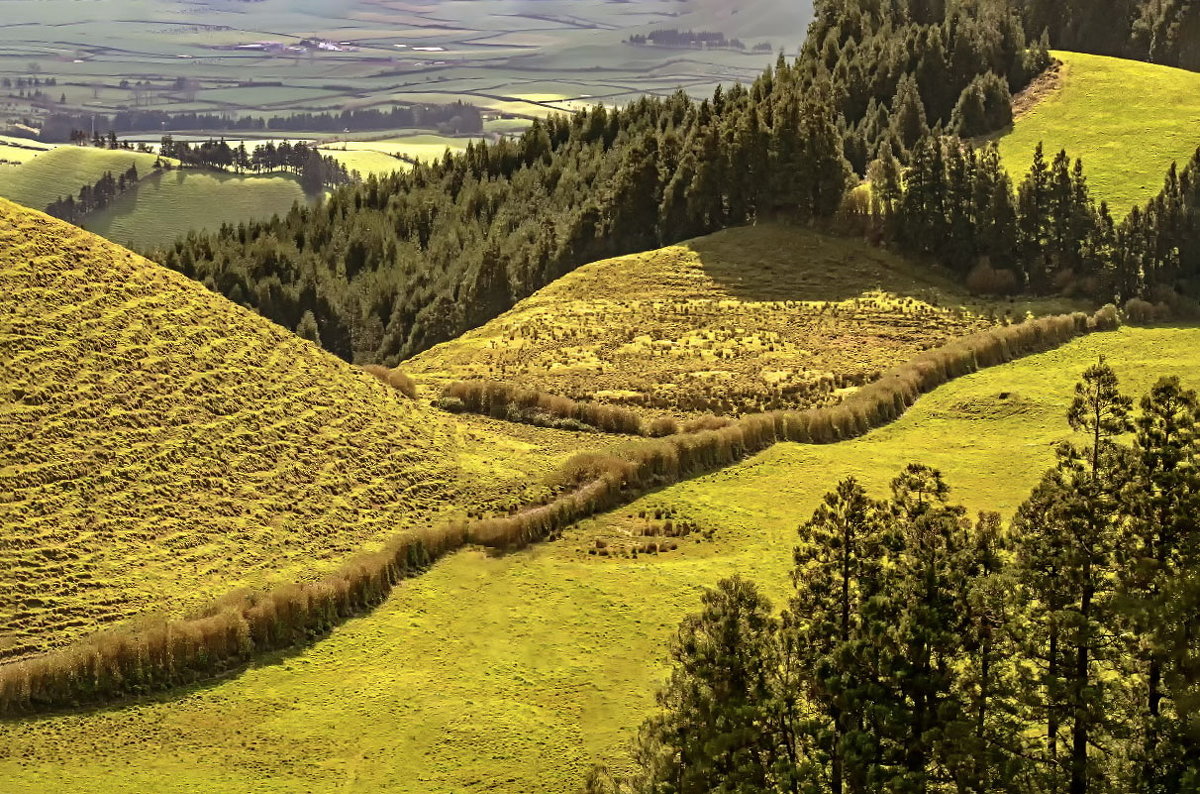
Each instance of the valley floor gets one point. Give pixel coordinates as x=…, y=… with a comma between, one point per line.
x=515, y=673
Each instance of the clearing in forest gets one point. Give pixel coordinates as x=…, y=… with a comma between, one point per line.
x=1128, y=120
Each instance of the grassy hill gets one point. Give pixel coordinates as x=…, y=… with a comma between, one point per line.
x=742, y=320
x=63, y=171
x=517, y=672
x=1128, y=121
x=166, y=206
x=160, y=446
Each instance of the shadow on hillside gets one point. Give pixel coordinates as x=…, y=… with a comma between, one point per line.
x=779, y=262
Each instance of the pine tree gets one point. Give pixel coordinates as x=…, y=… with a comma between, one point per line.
x=837, y=569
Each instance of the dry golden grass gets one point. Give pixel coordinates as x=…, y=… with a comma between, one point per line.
x=160, y=446
x=746, y=320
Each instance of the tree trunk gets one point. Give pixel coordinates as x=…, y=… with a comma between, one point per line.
x=1082, y=721
x=1052, y=710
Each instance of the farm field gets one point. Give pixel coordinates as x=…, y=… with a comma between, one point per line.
x=388, y=155
x=459, y=678
x=505, y=55
x=1128, y=121
x=197, y=448
x=745, y=320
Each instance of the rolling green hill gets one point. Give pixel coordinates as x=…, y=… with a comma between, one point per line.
x=744, y=320
x=1128, y=120
x=166, y=206
x=63, y=171
x=161, y=446
x=522, y=670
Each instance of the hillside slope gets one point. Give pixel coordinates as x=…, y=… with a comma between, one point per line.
x=516, y=673
x=160, y=446
x=1128, y=120
x=747, y=319
x=62, y=171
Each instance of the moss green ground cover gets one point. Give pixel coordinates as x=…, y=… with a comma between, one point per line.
x=1128, y=121
x=515, y=673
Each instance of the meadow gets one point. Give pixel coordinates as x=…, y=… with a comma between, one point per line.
x=744, y=320
x=1128, y=121
x=63, y=170
x=165, y=206
x=387, y=155
x=522, y=670
x=196, y=448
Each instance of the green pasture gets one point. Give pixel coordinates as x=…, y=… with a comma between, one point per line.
x=517, y=672
x=63, y=171
x=166, y=206
x=1128, y=121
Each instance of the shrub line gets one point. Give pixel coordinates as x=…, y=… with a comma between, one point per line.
x=120, y=664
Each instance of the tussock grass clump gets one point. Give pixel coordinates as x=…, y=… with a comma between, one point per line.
x=394, y=378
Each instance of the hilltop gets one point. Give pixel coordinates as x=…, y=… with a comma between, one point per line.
x=748, y=319
x=1128, y=120
x=162, y=446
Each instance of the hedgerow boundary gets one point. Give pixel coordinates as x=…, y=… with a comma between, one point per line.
x=117, y=665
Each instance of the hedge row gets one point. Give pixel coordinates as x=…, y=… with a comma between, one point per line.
x=120, y=664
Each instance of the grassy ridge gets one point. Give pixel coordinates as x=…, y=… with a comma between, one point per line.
x=748, y=319
x=521, y=670
x=1128, y=121
x=160, y=446
x=63, y=171
x=166, y=206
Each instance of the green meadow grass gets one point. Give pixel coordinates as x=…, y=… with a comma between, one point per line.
x=166, y=206
x=1128, y=121
x=515, y=673
x=63, y=171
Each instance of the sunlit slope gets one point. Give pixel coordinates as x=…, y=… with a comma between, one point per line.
x=63, y=171
x=748, y=319
x=516, y=673
x=160, y=446
x=1128, y=120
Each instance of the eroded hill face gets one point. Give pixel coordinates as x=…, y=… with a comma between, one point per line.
x=160, y=446
x=745, y=320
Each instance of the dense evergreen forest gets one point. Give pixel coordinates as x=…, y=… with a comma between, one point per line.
x=886, y=88
x=1159, y=31
x=922, y=651
x=395, y=265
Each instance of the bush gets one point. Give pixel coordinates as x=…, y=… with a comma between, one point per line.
x=1139, y=312
x=394, y=378
x=986, y=280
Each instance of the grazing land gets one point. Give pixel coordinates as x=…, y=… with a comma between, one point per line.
x=163, y=447
x=63, y=170
x=1128, y=121
x=167, y=205
x=280, y=56
x=523, y=670
x=745, y=320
